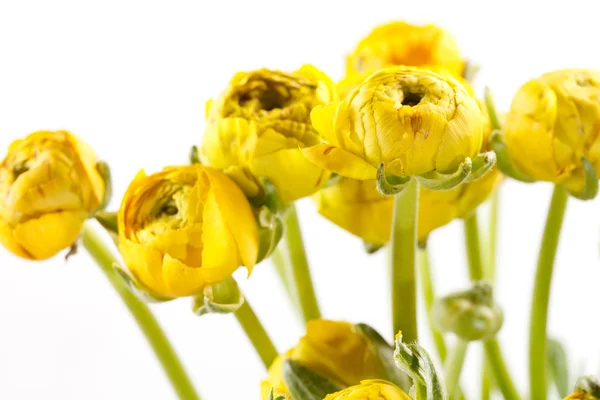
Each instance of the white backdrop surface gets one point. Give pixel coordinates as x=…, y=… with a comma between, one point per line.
x=132, y=77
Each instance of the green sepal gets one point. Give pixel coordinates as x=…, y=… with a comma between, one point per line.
x=109, y=221
x=470, y=314
x=279, y=397
x=385, y=354
x=434, y=180
x=270, y=231
x=504, y=161
x=482, y=164
x=590, y=385
x=194, y=155
x=224, y=297
x=558, y=366
x=372, y=248
x=306, y=384
x=417, y=363
x=271, y=198
x=389, y=185
x=590, y=182
x=138, y=289
x=104, y=171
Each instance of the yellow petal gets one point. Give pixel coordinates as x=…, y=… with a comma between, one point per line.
x=322, y=118
x=7, y=239
x=340, y=161
x=45, y=236
x=145, y=264
x=237, y=215
x=181, y=280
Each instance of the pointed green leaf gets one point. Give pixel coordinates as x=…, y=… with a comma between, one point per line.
x=437, y=181
x=558, y=367
x=306, y=384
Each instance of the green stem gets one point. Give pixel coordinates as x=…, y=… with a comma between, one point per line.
x=453, y=367
x=142, y=314
x=278, y=260
x=297, y=271
x=256, y=333
x=499, y=370
x=490, y=270
x=541, y=294
x=486, y=384
x=402, y=261
x=476, y=269
x=492, y=348
x=429, y=296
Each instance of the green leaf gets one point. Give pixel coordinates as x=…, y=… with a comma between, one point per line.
x=306, y=384
x=482, y=164
x=437, y=181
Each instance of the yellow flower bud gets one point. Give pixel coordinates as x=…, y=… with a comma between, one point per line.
x=335, y=350
x=257, y=126
x=400, y=43
x=184, y=228
x=49, y=185
x=553, y=122
x=412, y=120
x=370, y=390
x=359, y=208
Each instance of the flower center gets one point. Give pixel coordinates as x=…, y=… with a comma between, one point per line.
x=412, y=98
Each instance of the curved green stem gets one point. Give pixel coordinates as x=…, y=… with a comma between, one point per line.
x=429, y=297
x=492, y=347
x=142, y=314
x=402, y=261
x=453, y=367
x=256, y=333
x=541, y=294
x=499, y=370
x=295, y=270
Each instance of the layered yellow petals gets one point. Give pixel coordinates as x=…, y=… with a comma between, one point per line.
x=333, y=349
x=412, y=120
x=553, y=123
x=256, y=128
x=185, y=227
x=49, y=185
x=370, y=390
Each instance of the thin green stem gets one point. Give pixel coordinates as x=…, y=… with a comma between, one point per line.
x=486, y=383
x=278, y=260
x=499, y=370
x=402, y=261
x=541, y=294
x=453, y=367
x=429, y=296
x=490, y=268
x=476, y=269
x=297, y=272
x=492, y=347
x=142, y=314
x=256, y=333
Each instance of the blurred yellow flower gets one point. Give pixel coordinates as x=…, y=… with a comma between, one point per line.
x=49, y=185
x=185, y=227
x=370, y=390
x=334, y=349
x=257, y=126
x=400, y=43
x=553, y=122
x=412, y=120
x=360, y=209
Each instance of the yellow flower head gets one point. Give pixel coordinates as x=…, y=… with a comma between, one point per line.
x=336, y=350
x=257, y=126
x=185, y=227
x=370, y=390
x=49, y=185
x=400, y=43
x=553, y=122
x=359, y=208
x=412, y=120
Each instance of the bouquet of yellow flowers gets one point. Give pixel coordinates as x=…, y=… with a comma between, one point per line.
x=398, y=147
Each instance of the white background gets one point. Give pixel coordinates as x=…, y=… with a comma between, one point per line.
x=131, y=78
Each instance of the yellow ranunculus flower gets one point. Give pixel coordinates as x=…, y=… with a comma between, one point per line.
x=370, y=390
x=49, y=185
x=412, y=120
x=257, y=126
x=185, y=227
x=359, y=208
x=333, y=349
x=580, y=395
x=553, y=122
x=400, y=43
